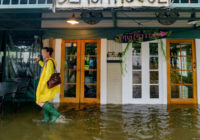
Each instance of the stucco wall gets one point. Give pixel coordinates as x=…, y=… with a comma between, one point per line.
x=114, y=77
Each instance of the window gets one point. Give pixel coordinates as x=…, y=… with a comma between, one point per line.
x=153, y=70
x=137, y=71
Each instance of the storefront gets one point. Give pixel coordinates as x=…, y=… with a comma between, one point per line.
x=156, y=68
x=92, y=76
x=97, y=68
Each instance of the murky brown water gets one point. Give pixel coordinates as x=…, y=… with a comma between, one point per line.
x=105, y=122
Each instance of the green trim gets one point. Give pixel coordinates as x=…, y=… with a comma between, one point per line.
x=114, y=18
x=44, y=10
x=110, y=33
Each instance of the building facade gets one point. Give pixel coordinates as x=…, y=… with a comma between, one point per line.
x=155, y=60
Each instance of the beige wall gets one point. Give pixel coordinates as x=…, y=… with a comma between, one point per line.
x=114, y=77
x=114, y=86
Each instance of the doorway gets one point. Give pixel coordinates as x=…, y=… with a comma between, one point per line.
x=80, y=71
x=181, y=69
x=146, y=72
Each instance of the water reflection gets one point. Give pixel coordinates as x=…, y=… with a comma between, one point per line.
x=106, y=122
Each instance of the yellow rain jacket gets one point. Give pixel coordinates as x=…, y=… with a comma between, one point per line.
x=43, y=93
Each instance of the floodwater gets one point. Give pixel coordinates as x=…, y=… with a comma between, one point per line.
x=104, y=122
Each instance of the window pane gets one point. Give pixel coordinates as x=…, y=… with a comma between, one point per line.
x=49, y=1
x=175, y=91
x=90, y=63
x=23, y=2
x=41, y=1
x=71, y=48
x=186, y=63
x=137, y=91
x=154, y=92
x=187, y=91
x=90, y=76
x=153, y=48
x=194, y=1
x=70, y=62
x=187, y=77
x=14, y=2
x=154, y=77
x=136, y=49
x=90, y=48
x=70, y=77
x=175, y=49
x=137, y=77
x=175, y=62
x=176, y=77
x=90, y=91
x=153, y=63
x=136, y=62
x=186, y=49
x=70, y=90
x=32, y=1
x=7, y=1
x=184, y=1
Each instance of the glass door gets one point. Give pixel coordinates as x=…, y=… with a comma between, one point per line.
x=146, y=71
x=181, y=71
x=70, y=71
x=90, y=71
x=80, y=71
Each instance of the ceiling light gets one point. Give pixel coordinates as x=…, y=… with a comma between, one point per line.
x=73, y=20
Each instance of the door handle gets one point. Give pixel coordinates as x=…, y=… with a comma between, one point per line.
x=194, y=65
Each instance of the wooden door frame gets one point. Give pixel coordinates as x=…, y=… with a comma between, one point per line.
x=79, y=98
x=181, y=101
x=62, y=70
x=97, y=99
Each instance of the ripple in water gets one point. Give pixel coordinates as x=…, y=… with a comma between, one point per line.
x=104, y=122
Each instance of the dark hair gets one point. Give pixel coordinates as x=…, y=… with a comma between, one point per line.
x=49, y=50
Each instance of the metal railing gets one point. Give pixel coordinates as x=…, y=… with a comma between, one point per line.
x=24, y=4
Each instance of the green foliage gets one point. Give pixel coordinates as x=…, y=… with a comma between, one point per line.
x=123, y=58
x=122, y=65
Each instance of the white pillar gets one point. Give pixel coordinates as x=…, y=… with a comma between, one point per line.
x=163, y=74
x=127, y=77
x=103, y=73
x=197, y=44
x=58, y=45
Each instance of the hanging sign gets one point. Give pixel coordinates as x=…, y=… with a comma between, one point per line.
x=143, y=35
x=71, y=4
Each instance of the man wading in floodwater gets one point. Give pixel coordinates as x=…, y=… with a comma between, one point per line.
x=43, y=93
